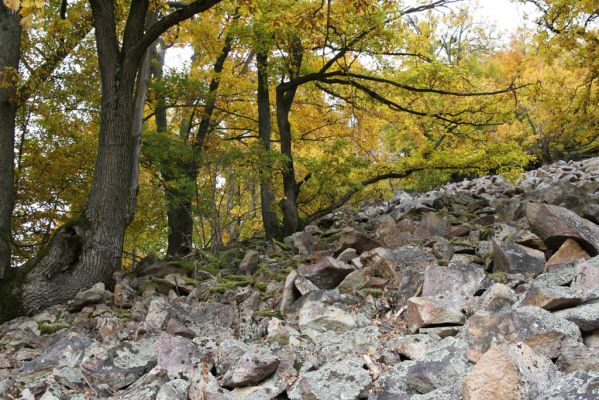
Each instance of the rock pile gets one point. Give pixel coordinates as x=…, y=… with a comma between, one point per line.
x=477, y=289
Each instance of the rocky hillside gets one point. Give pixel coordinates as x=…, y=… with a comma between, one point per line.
x=477, y=290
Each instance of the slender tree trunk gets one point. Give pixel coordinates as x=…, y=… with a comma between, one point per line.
x=290, y=187
x=267, y=197
x=10, y=49
x=179, y=217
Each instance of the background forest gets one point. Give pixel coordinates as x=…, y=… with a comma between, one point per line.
x=286, y=110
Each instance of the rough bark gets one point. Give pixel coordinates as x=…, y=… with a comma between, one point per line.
x=285, y=95
x=10, y=49
x=89, y=250
x=267, y=196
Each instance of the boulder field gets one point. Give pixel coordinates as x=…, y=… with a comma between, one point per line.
x=479, y=289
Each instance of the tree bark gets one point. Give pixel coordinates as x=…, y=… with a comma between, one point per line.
x=267, y=196
x=89, y=250
x=10, y=51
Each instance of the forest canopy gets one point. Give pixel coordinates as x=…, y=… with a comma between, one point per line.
x=284, y=110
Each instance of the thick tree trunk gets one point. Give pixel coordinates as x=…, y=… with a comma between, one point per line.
x=10, y=49
x=267, y=196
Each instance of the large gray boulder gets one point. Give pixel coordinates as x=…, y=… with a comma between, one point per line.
x=513, y=258
x=326, y=273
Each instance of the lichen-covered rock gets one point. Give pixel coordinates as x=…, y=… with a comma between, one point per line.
x=586, y=276
x=430, y=311
x=250, y=369
x=173, y=390
x=509, y=372
x=457, y=280
x=316, y=317
x=440, y=367
x=585, y=316
x=326, y=273
x=538, y=328
x=513, y=258
x=498, y=297
x=555, y=224
x=569, y=252
x=580, y=385
x=550, y=298
x=179, y=357
x=336, y=380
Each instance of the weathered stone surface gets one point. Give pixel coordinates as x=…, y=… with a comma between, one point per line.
x=66, y=349
x=550, y=298
x=249, y=264
x=345, y=379
x=350, y=238
x=591, y=339
x=429, y=311
x=290, y=292
x=173, y=390
x=509, y=372
x=456, y=280
x=94, y=295
x=158, y=313
x=585, y=316
x=119, y=366
x=179, y=357
x=498, y=297
x=513, y=258
x=250, y=369
x=304, y=242
x=558, y=275
x=555, y=224
x=586, y=276
x=538, y=328
x=578, y=357
x=413, y=347
x=569, y=252
x=432, y=225
x=580, y=385
x=440, y=367
x=316, y=317
x=205, y=386
x=326, y=273
x=228, y=353
x=270, y=389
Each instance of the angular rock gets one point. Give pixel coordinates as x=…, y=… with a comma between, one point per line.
x=429, y=311
x=304, y=285
x=458, y=280
x=303, y=242
x=290, y=293
x=578, y=357
x=179, y=357
x=439, y=367
x=586, y=276
x=94, y=295
x=558, y=275
x=509, y=372
x=350, y=238
x=345, y=379
x=316, y=317
x=66, y=349
x=543, y=331
x=228, y=353
x=206, y=387
x=569, y=252
x=555, y=224
x=432, y=225
x=586, y=316
x=413, y=347
x=249, y=264
x=498, y=297
x=173, y=390
x=550, y=298
x=513, y=258
x=250, y=369
x=158, y=313
x=326, y=273
x=268, y=390
x=118, y=367
x=580, y=385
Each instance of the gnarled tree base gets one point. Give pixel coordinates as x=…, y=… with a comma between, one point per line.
x=67, y=265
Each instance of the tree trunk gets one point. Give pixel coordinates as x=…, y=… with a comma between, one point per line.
x=267, y=196
x=178, y=214
x=290, y=189
x=10, y=49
